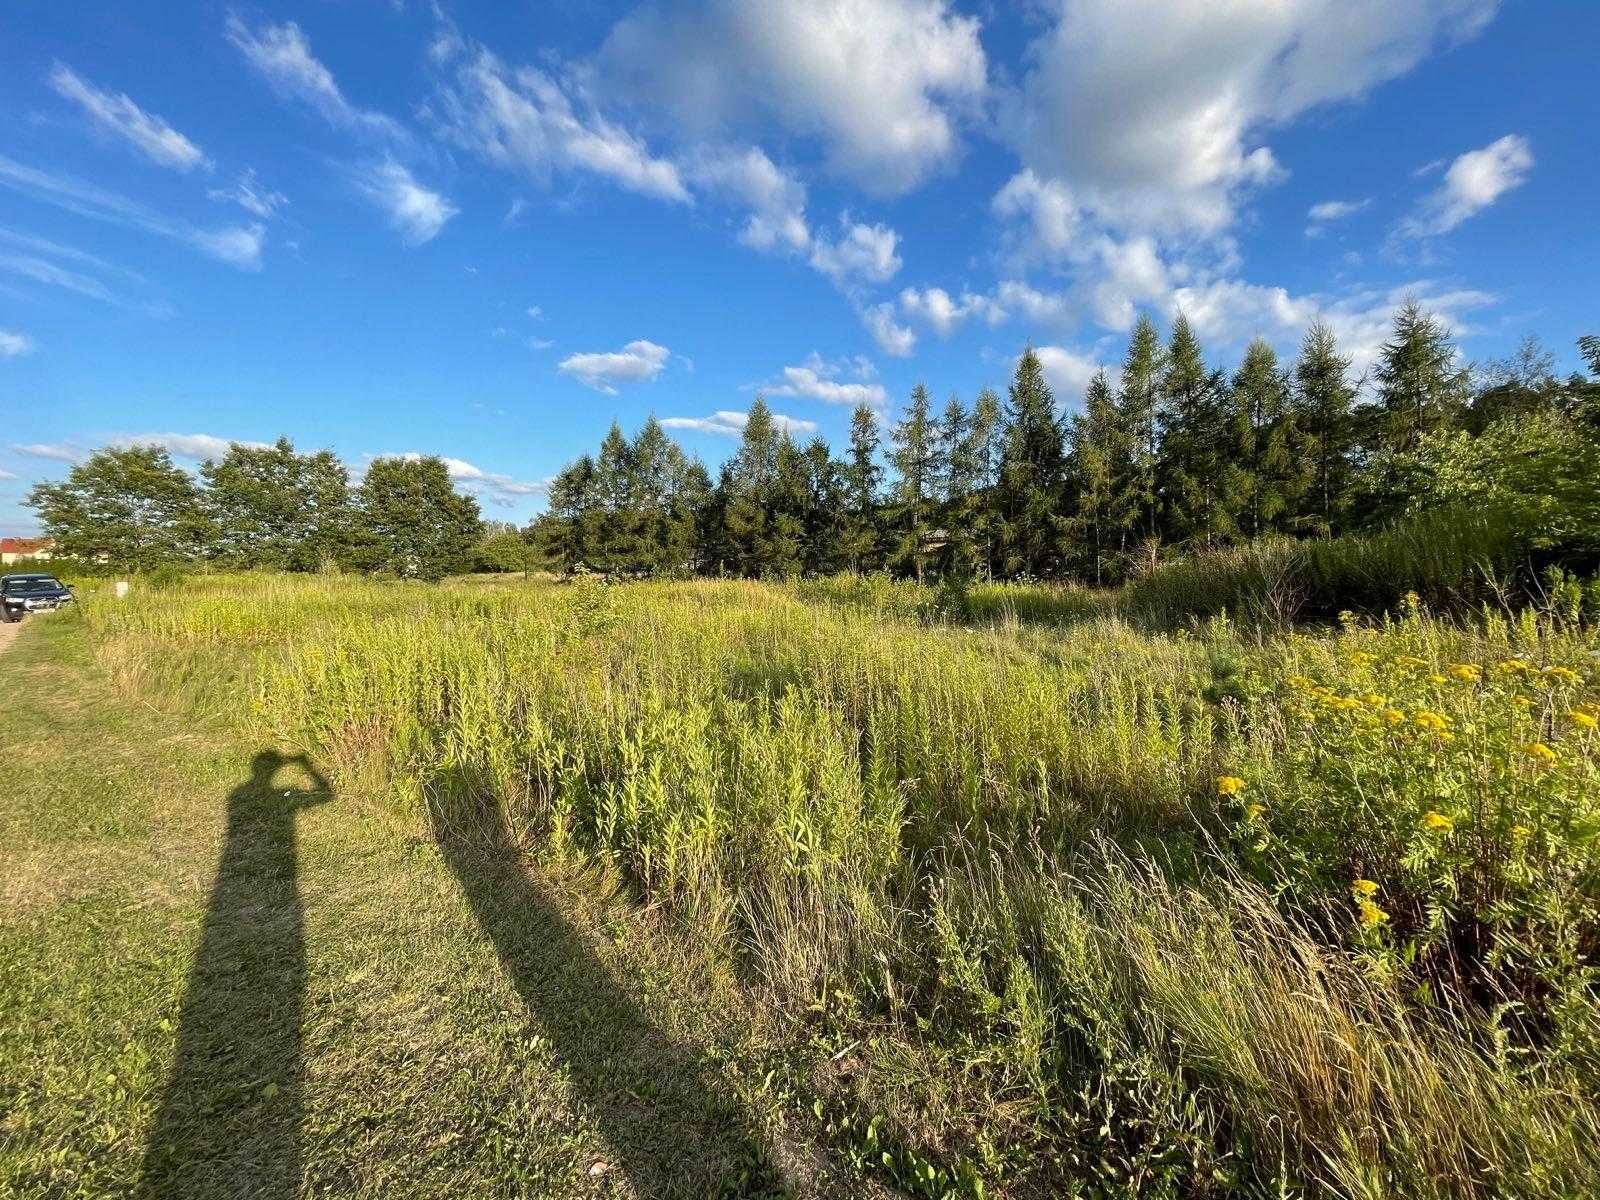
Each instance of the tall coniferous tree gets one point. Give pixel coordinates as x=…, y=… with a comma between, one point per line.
x=1325, y=427
x=1136, y=410
x=1265, y=481
x=1032, y=471
x=959, y=479
x=914, y=458
x=1192, y=429
x=1098, y=459
x=863, y=477
x=985, y=433
x=1420, y=387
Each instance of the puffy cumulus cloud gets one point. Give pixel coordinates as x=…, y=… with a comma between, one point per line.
x=1227, y=313
x=1111, y=279
x=860, y=254
x=936, y=308
x=637, y=362
x=15, y=345
x=1471, y=184
x=895, y=340
x=878, y=83
x=1045, y=216
x=847, y=381
x=774, y=198
x=196, y=446
x=729, y=423
x=251, y=196
x=119, y=115
x=527, y=120
x=1156, y=124
x=1069, y=372
x=281, y=54
x=416, y=212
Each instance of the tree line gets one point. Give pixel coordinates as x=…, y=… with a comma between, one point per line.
x=1173, y=454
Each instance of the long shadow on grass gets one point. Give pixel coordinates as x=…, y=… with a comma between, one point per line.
x=669, y=1126
x=229, y=1123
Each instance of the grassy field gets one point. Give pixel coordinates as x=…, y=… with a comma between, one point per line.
x=839, y=884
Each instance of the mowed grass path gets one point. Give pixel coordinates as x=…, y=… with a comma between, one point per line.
x=219, y=976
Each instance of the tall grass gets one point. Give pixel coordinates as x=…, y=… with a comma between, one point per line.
x=993, y=862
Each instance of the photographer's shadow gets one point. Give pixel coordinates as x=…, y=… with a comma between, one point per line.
x=230, y=1118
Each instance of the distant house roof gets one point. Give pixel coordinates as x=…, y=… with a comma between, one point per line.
x=25, y=545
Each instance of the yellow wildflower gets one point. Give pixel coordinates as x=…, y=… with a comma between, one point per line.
x=1437, y=822
x=1394, y=716
x=1437, y=678
x=1369, y=914
x=1539, y=752
x=1520, y=833
x=1362, y=658
x=1563, y=674
x=1582, y=719
x=1510, y=666
x=1521, y=702
x=1410, y=661
x=1229, y=785
x=1301, y=682
x=1364, y=889
x=1375, y=700
x=1467, y=672
x=1431, y=721
x=1253, y=812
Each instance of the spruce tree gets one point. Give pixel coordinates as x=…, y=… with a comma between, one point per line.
x=1261, y=483
x=1420, y=387
x=862, y=478
x=1032, y=470
x=1192, y=431
x=1136, y=411
x=1098, y=457
x=985, y=433
x=958, y=556
x=1325, y=428
x=914, y=459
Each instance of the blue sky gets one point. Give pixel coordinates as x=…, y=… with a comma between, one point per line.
x=486, y=231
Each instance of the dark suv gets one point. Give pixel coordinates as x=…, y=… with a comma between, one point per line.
x=24, y=594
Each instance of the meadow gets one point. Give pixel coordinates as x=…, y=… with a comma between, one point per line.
x=1047, y=891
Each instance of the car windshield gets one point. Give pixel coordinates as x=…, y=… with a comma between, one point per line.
x=33, y=587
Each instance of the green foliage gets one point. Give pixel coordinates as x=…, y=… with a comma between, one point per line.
x=1028, y=493
x=271, y=507
x=411, y=521
x=130, y=507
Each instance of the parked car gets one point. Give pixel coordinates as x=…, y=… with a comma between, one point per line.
x=30, y=593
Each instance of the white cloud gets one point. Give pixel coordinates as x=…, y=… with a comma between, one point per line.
x=15, y=345
x=535, y=313
x=1229, y=312
x=282, y=55
x=1068, y=372
x=497, y=488
x=818, y=379
x=54, y=275
x=731, y=424
x=1049, y=209
x=54, y=451
x=116, y=113
x=895, y=340
x=7, y=474
x=197, y=446
x=524, y=119
x=1472, y=183
x=415, y=211
x=1156, y=124
x=862, y=254
x=1337, y=210
x=239, y=247
x=249, y=195
x=637, y=362
x=877, y=83
x=935, y=307
x=776, y=200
